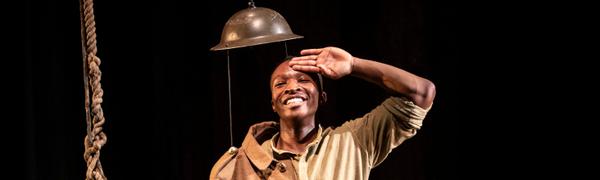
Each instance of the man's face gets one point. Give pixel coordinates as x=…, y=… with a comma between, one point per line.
x=294, y=94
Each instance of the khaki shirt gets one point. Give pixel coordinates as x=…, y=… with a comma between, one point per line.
x=346, y=152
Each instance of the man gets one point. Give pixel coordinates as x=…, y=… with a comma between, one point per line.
x=298, y=148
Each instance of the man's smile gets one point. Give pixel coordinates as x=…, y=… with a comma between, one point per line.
x=295, y=100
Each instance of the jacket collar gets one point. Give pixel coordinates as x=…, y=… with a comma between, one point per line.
x=257, y=134
x=262, y=132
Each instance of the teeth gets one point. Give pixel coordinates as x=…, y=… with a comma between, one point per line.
x=294, y=100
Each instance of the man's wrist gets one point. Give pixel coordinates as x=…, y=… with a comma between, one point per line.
x=354, y=65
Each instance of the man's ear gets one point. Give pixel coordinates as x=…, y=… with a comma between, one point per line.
x=273, y=106
x=323, y=98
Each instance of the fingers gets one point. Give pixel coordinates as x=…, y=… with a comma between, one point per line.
x=312, y=69
x=310, y=51
x=304, y=61
x=309, y=57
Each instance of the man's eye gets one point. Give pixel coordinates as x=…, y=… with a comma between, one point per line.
x=279, y=84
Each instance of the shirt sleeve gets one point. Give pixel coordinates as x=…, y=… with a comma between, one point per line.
x=386, y=127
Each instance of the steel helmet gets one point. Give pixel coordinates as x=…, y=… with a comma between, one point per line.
x=254, y=26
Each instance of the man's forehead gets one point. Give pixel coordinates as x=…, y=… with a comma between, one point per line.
x=287, y=73
x=283, y=70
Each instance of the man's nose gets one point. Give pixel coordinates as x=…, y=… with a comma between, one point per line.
x=292, y=89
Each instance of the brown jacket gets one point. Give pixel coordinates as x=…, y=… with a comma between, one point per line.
x=346, y=152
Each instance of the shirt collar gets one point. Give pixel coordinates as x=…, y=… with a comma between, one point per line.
x=309, y=147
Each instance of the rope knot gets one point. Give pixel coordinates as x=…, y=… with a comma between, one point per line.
x=95, y=138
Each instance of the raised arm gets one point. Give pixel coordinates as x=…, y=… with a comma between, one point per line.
x=335, y=63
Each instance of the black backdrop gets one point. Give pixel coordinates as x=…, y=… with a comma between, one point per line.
x=165, y=97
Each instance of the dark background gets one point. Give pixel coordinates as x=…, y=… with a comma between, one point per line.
x=165, y=93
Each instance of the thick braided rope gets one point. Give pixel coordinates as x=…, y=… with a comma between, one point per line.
x=95, y=138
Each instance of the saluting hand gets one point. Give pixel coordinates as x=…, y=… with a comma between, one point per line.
x=332, y=62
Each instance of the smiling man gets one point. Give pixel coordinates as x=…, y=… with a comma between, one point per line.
x=298, y=148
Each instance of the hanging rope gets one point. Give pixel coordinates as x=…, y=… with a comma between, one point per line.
x=95, y=138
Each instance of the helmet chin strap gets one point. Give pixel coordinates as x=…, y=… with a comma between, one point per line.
x=321, y=83
x=229, y=104
x=285, y=46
